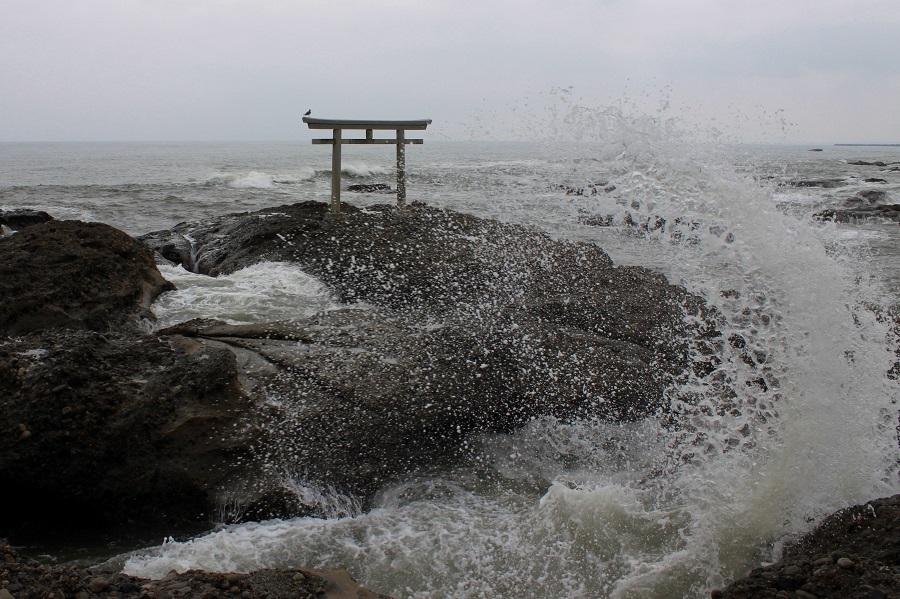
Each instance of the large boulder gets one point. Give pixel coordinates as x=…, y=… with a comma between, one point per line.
x=74, y=275
x=100, y=421
x=461, y=325
x=576, y=331
x=98, y=429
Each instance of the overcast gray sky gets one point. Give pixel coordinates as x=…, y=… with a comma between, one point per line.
x=766, y=70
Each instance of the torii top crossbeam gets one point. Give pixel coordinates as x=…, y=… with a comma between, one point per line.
x=337, y=140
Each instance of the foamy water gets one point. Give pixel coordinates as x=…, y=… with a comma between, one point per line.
x=797, y=419
x=261, y=292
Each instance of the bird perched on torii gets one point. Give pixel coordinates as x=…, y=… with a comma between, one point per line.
x=308, y=112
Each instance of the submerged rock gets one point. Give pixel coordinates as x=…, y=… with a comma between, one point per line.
x=867, y=196
x=823, y=183
x=879, y=163
x=848, y=215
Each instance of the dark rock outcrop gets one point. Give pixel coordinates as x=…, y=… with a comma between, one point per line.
x=471, y=325
x=19, y=219
x=852, y=554
x=848, y=215
x=513, y=291
x=97, y=429
x=74, y=275
x=118, y=424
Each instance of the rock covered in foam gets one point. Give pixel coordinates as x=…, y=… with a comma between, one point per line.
x=466, y=325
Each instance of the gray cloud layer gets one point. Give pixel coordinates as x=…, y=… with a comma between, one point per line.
x=246, y=69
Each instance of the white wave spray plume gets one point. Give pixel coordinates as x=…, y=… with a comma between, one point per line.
x=797, y=417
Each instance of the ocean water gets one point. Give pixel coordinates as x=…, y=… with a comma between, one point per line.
x=585, y=508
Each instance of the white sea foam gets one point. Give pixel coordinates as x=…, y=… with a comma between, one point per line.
x=262, y=292
x=34, y=353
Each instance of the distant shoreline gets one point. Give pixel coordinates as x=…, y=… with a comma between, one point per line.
x=872, y=145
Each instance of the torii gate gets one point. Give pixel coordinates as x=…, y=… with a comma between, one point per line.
x=337, y=140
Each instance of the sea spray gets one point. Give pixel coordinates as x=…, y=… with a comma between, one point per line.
x=798, y=405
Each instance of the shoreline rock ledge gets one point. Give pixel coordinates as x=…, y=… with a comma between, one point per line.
x=453, y=326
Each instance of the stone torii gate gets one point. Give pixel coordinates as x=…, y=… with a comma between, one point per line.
x=337, y=140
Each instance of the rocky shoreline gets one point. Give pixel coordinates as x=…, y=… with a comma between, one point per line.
x=852, y=554
x=25, y=578
x=452, y=326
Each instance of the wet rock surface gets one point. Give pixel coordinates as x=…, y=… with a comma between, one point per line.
x=466, y=326
x=102, y=423
x=101, y=429
x=852, y=554
x=74, y=275
x=25, y=578
x=455, y=326
x=523, y=297
x=889, y=212
x=19, y=219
